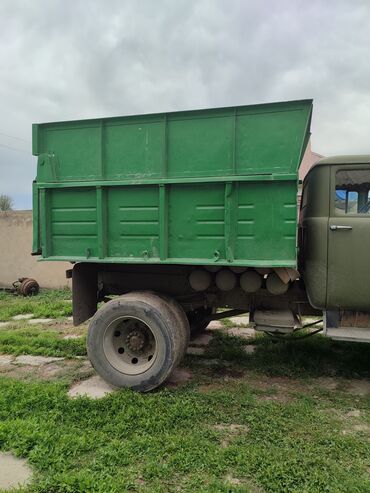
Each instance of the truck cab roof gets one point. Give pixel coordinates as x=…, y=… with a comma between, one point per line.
x=346, y=159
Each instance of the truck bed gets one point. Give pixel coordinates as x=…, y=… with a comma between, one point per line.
x=216, y=186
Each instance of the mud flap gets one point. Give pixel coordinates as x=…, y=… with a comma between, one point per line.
x=84, y=291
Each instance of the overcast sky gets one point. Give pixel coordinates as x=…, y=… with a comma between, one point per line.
x=71, y=59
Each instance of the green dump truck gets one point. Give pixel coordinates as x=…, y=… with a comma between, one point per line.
x=169, y=217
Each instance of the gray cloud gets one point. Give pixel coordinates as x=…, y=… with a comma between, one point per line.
x=88, y=58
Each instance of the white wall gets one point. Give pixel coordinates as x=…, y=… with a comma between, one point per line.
x=15, y=254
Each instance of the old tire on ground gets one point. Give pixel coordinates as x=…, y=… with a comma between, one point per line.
x=133, y=341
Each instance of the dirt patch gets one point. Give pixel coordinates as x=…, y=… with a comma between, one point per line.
x=232, y=429
x=212, y=387
x=353, y=414
x=276, y=389
x=233, y=481
x=357, y=428
x=358, y=387
x=178, y=377
x=201, y=340
x=284, y=384
x=248, y=485
x=351, y=422
x=326, y=383
x=27, y=359
x=281, y=398
x=225, y=372
x=195, y=351
x=230, y=432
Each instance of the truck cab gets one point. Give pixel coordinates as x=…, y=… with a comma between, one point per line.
x=334, y=244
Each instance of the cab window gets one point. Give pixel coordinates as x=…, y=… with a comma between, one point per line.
x=352, y=192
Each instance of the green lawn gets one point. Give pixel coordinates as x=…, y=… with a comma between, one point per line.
x=49, y=303
x=291, y=417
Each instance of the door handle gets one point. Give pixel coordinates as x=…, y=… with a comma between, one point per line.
x=334, y=227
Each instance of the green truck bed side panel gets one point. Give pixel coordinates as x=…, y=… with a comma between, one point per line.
x=194, y=187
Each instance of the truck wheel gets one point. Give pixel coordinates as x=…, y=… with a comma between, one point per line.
x=182, y=325
x=134, y=341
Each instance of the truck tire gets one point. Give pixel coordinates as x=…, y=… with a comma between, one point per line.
x=182, y=325
x=134, y=341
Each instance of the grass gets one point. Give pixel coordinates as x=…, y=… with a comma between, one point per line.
x=40, y=341
x=48, y=304
x=311, y=357
x=169, y=441
x=253, y=423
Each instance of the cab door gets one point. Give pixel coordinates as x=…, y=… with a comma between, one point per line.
x=348, y=276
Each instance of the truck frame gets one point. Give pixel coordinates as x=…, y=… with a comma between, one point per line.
x=168, y=217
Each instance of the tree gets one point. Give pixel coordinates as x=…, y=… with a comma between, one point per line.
x=6, y=203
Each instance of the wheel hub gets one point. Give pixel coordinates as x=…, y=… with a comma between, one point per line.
x=135, y=340
x=130, y=345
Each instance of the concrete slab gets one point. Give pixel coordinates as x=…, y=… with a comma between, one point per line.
x=249, y=349
x=201, y=340
x=24, y=316
x=215, y=324
x=14, y=472
x=6, y=360
x=94, y=387
x=51, y=370
x=240, y=320
x=197, y=351
x=36, y=321
x=27, y=359
x=4, y=324
x=244, y=332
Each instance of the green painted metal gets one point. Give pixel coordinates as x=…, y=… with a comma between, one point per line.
x=194, y=187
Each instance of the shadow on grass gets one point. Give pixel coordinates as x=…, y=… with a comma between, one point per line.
x=311, y=357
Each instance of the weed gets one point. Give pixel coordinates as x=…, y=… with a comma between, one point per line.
x=49, y=303
x=38, y=341
x=242, y=424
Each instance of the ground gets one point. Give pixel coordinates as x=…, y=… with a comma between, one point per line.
x=242, y=414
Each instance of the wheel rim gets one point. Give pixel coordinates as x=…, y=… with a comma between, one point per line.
x=130, y=345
